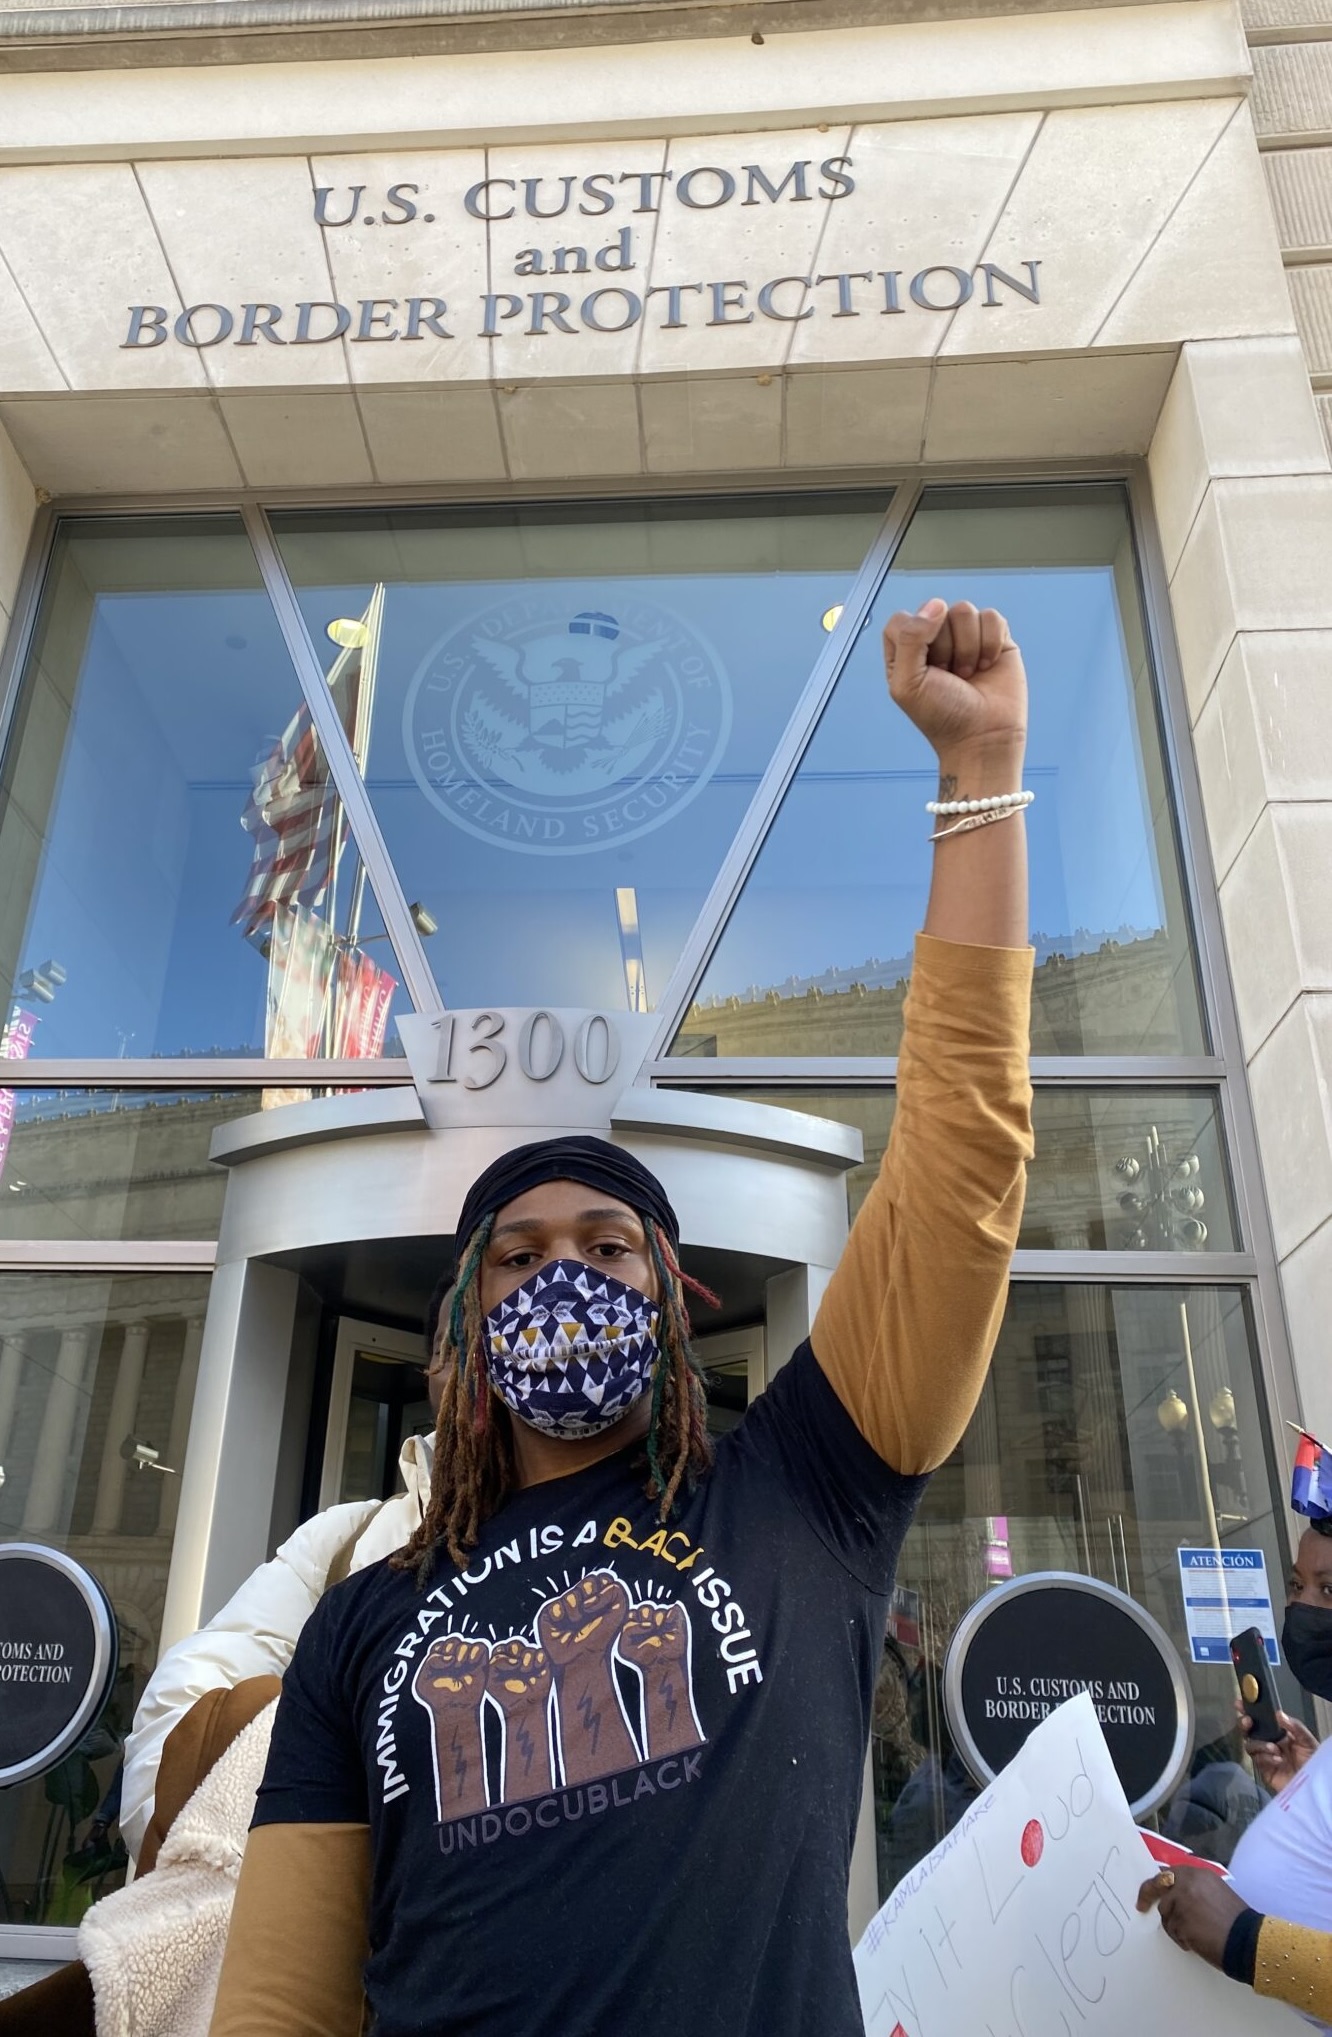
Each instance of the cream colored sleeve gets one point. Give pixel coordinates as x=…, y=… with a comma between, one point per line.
x=1294, y=1965
x=298, y=1941
x=907, y=1327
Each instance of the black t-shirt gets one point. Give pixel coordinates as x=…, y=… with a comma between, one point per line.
x=612, y=1770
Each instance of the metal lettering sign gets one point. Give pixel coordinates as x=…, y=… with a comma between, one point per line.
x=58, y=1654
x=589, y=264
x=1028, y=1646
x=525, y=1065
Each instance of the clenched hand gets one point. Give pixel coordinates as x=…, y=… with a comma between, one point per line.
x=958, y=675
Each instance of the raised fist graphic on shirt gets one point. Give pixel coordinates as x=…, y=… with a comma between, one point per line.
x=519, y=1681
x=451, y=1683
x=655, y=1639
x=578, y=1632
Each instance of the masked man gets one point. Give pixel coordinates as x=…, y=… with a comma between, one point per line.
x=585, y=1758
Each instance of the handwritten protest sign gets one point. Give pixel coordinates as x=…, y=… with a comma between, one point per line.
x=1021, y=1923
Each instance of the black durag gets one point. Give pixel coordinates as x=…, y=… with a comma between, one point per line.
x=594, y=1163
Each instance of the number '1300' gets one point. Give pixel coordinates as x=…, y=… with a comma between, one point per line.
x=482, y=1048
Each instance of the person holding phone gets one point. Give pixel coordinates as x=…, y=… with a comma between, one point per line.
x=1270, y=1925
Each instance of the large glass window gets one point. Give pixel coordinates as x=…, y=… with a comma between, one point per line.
x=571, y=712
x=113, y=1163
x=178, y=874
x=562, y=714
x=97, y=1377
x=1118, y=1425
x=817, y=953
x=1115, y=1170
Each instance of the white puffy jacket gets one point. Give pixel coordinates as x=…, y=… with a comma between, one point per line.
x=256, y=1631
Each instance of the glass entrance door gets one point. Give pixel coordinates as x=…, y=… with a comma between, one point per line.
x=377, y=1400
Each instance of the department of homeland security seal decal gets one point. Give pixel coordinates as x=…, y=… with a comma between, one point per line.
x=556, y=729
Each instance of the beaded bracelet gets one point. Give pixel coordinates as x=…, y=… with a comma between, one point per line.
x=997, y=800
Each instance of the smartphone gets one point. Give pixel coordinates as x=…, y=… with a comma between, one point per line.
x=1254, y=1673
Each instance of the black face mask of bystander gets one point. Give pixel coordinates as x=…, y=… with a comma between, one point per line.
x=1306, y=1639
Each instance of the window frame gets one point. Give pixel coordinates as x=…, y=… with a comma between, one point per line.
x=1254, y=1270
x=902, y=486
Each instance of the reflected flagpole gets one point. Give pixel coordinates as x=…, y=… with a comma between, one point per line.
x=364, y=645
x=356, y=665
x=365, y=701
x=631, y=947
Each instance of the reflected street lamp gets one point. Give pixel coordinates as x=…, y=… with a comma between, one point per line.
x=1173, y=1413
x=421, y=917
x=43, y=981
x=1230, y=1472
x=1163, y=1200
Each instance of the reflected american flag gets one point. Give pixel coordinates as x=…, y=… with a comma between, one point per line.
x=294, y=820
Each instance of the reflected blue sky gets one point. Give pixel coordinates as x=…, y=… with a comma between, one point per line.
x=843, y=876
x=145, y=859
x=738, y=633
x=541, y=646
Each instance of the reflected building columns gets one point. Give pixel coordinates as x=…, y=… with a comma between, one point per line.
x=13, y=1351
x=182, y=1407
x=982, y=1478
x=50, y=1473
x=120, y=1424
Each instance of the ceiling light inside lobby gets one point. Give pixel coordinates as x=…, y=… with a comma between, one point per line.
x=831, y=617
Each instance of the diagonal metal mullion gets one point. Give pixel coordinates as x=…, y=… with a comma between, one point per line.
x=785, y=761
x=418, y=981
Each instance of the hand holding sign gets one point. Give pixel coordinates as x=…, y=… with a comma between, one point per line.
x=1023, y=1922
x=1196, y=1907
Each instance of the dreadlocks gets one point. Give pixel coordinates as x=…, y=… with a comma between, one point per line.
x=474, y=1462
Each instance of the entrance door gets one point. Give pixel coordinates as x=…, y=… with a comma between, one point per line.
x=377, y=1399
x=733, y=1371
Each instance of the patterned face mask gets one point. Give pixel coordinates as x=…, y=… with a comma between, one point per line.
x=571, y=1350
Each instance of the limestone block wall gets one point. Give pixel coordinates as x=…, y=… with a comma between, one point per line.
x=1291, y=42
x=1243, y=490
x=972, y=142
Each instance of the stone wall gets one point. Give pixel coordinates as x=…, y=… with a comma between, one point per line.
x=1243, y=491
x=972, y=142
x=1291, y=44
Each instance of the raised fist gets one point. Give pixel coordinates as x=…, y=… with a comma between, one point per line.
x=958, y=675
x=655, y=1639
x=577, y=1631
x=586, y=1618
x=451, y=1683
x=655, y=1633
x=520, y=1682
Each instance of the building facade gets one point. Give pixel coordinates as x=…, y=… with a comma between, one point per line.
x=454, y=471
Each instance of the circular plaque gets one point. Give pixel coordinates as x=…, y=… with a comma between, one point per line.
x=57, y=1657
x=1030, y=1645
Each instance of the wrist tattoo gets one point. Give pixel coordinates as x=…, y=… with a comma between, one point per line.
x=947, y=786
